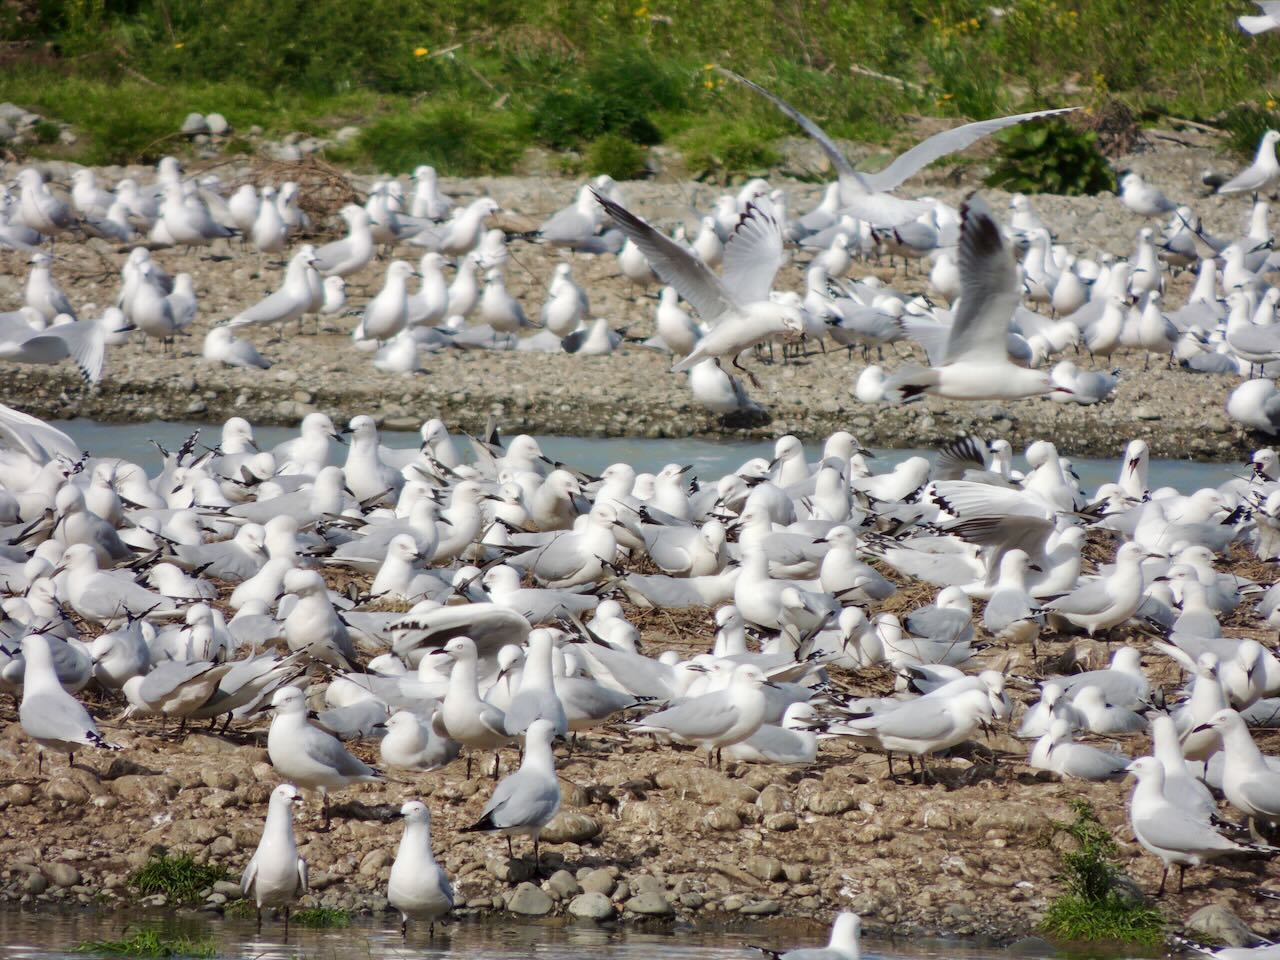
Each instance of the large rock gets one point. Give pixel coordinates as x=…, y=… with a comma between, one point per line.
x=709, y=786
x=142, y=789
x=1218, y=924
x=591, y=906
x=600, y=881
x=650, y=904
x=217, y=124
x=568, y=826
x=194, y=123
x=61, y=874
x=830, y=802
x=67, y=790
x=529, y=901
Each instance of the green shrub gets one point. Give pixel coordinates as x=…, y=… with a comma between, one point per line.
x=179, y=878
x=1095, y=906
x=455, y=139
x=1247, y=124
x=724, y=150
x=617, y=156
x=1051, y=156
x=149, y=943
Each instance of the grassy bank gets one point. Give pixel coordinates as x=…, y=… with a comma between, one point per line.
x=471, y=85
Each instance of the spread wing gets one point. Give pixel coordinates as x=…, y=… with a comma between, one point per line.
x=989, y=289
x=673, y=264
x=941, y=144
x=753, y=254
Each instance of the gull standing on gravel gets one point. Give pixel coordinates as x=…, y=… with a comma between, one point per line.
x=718, y=719
x=740, y=305
x=49, y=715
x=526, y=801
x=388, y=312
x=976, y=364
x=1168, y=832
x=1143, y=198
x=1249, y=784
x=418, y=887
x=1262, y=173
x=352, y=253
x=463, y=716
x=308, y=756
x=290, y=301
x=276, y=874
x=1109, y=600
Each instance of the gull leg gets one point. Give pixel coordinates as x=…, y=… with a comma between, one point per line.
x=1164, y=875
x=1182, y=875
x=511, y=854
x=404, y=927
x=286, y=924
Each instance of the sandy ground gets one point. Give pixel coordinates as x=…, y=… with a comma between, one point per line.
x=631, y=392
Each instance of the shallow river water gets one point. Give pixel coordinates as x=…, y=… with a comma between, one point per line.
x=710, y=458
x=46, y=935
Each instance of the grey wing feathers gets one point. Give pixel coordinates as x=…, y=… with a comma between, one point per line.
x=694, y=718
x=521, y=800
x=250, y=874
x=941, y=144
x=753, y=254
x=673, y=264
x=1092, y=597
x=989, y=288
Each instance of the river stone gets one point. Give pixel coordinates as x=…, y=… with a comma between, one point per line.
x=66, y=790
x=529, y=901
x=568, y=826
x=510, y=871
x=646, y=883
x=709, y=786
x=194, y=123
x=773, y=799
x=140, y=789
x=765, y=868
x=781, y=822
x=650, y=904
x=761, y=908
x=563, y=885
x=18, y=794
x=1218, y=924
x=591, y=906
x=599, y=881
x=35, y=884
x=723, y=818
x=61, y=874
x=830, y=802
x=217, y=124
x=373, y=861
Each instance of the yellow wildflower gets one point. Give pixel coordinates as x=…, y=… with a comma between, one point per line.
x=1271, y=104
x=421, y=52
x=179, y=46
x=973, y=22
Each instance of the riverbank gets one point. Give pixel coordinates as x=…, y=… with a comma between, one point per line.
x=631, y=392
x=651, y=831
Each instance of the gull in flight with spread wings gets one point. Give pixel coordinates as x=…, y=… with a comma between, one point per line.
x=868, y=196
x=740, y=306
x=976, y=364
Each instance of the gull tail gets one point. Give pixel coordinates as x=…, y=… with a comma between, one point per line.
x=910, y=381
x=98, y=741
x=484, y=825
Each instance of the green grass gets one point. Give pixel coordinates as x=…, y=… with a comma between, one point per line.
x=321, y=917
x=469, y=84
x=1096, y=906
x=239, y=910
x=179, y=878
x=149, y=943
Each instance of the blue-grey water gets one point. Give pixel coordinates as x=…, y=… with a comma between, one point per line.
x=710, y=458
x=50, y=934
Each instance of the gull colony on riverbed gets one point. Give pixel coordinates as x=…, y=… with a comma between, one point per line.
x=436, y=605
x=439, y=605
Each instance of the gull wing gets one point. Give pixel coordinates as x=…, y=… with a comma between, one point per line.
x=85, y=342
x=753, y=254
x=34, y=437
x=989, y=289
x=941, y=144
x=673, y=264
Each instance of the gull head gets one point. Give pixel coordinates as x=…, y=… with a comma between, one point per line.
x=286, y=795
x=1145, y=767
x=1224, y=719
x=288, y=700
x=415, y=811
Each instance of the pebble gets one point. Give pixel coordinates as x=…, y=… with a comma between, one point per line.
x=217, y=124
x=66, y=790
x=765, y=868
x=61, y=874
x=510, y=871
x=723, y=818
x=563, y=885
x=599, y=881
x=569, y=826
x=1217, y=923
x=761, y=908
x=195, y=123
x=830, y=802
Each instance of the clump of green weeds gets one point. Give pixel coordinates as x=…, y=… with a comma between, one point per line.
x=321, y=918
x=1051, y=156
x=150, y=943
x=1097, y=906
x=179, y=877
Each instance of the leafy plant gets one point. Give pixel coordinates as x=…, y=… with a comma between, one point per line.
x=322, y=917
x=149, y=943
x=723, y=150
x=1247, y=124
x=179, y=878
x=455, y=139
x=615, y=155
x=1051, y=157
x=1096, y=906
